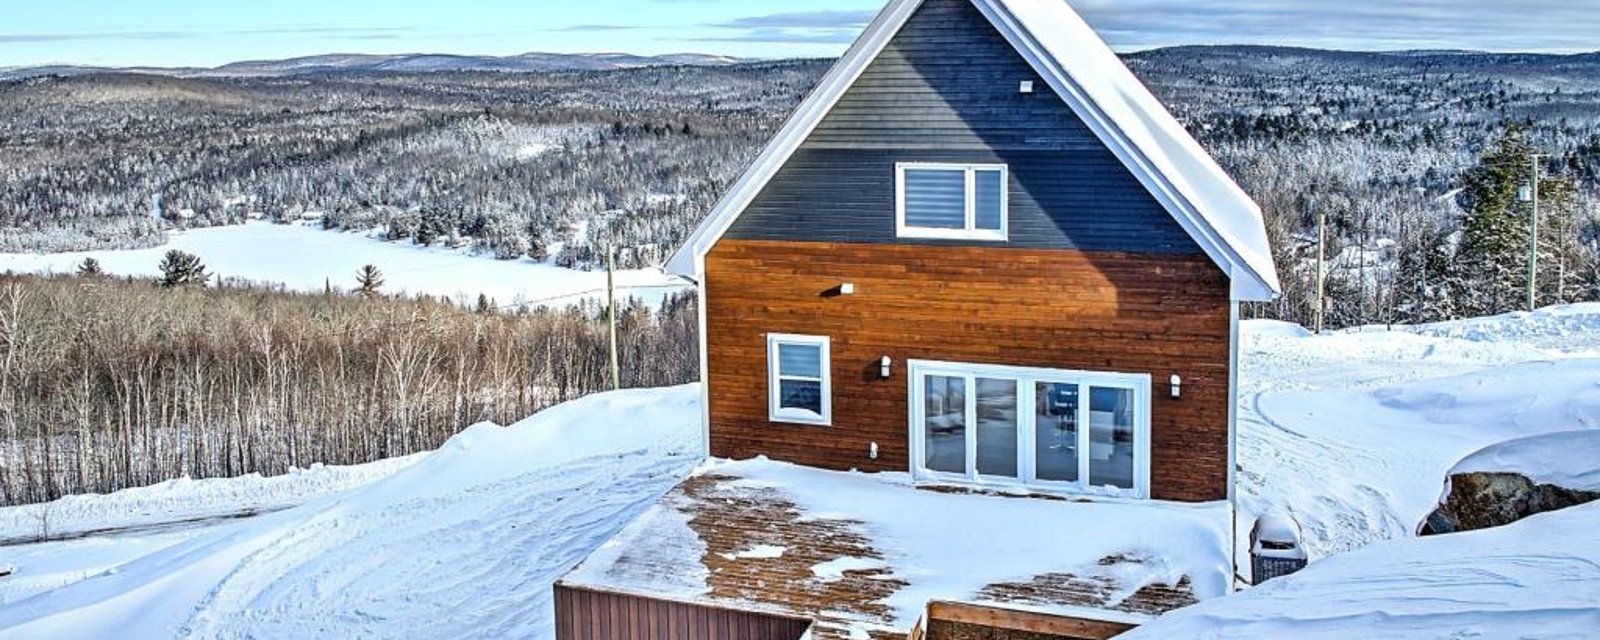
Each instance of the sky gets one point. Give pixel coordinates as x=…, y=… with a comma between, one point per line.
x=215, y=32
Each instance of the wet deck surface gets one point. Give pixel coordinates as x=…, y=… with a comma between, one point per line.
x=735, y=520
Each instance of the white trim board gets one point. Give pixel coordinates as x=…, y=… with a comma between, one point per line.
x=1027, y=378
x=970, y=182
x=1089, y=77
x=775, y=378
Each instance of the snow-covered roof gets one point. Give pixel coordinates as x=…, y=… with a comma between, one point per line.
x=864, y=553
x=1100, y=89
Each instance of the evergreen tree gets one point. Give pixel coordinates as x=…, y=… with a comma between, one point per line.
x=369, y=281
x=1491, y=265
x=90, y=267
x=179, y=269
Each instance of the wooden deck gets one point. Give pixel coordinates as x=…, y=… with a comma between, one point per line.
x=732, y=517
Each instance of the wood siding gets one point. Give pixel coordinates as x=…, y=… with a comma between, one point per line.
x=946, y=89
x=590, y=614
x=1128, y=313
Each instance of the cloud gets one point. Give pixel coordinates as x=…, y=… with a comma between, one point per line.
x=1525, y=25
x=1495, y=25
x=803, y=20
x=796, y=27
x=8, y=38
x=186, y=34
x=599, y=27
x=785, y=36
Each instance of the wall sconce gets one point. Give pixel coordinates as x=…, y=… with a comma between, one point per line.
x=872, y=451
x=1177, y=386
x=884, y=367
x=847, y=289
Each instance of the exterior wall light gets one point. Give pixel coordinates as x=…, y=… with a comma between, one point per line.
x=1177, y=386
x=847, y=289
x=885, y=366
x=1027, y=86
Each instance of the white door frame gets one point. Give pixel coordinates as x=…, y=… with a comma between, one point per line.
x=1027, y=378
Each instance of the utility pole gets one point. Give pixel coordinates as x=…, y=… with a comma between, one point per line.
x=1533, y=238
x=1322, y=269
x=611, y=309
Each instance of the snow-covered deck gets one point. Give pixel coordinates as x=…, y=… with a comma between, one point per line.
x=864, y=553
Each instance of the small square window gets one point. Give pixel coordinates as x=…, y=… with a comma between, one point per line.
x=955, y=202
x=799, y=380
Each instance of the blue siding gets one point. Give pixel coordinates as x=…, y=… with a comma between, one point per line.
x=946, y=89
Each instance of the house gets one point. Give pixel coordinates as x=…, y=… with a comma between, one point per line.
x=984, y=257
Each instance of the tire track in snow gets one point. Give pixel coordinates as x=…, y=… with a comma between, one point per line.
x=494, y=550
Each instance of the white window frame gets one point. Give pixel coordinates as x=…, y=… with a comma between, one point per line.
x=971, y=232
x=775, y=378
x=1027, y=474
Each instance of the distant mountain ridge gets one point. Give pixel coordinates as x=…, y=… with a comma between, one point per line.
x=554, y=62
x=401, y=63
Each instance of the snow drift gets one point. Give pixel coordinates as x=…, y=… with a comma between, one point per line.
x=1538, y=578
x=469, y=538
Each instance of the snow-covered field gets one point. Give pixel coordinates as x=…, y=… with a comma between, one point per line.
x=306, y=258
x=1354, y=432
x=1351, y=432
x=463, y=543
x=186, y=500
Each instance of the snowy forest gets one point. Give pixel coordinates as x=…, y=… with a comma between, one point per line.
x=109, y=383
x=1415, y=170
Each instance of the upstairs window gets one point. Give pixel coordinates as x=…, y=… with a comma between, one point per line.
x=798, y=380
x=952, y=201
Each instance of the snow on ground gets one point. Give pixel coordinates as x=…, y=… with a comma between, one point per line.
x=1537, y=578
x=948, y=545
x=1570, y=460
x=187, y=500
x=45, y=567
x=1351, y=432
x=307, y=258
x=465, y=542
x=1354, y=432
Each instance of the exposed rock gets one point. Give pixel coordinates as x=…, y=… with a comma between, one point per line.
x=1480, y=500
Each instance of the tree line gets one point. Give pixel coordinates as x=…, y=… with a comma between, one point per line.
x=110, y=383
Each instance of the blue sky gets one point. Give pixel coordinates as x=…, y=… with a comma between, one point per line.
x=213, y=32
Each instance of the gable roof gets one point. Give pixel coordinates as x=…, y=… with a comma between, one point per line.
x=1093, y=81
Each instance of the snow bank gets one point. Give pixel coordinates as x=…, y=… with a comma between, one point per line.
x=1272, y=328
x=307, y=258
x=1538, y=578
x=464, y=542
x=1567, y=329
x=1570, y=460
x=189, y=500
x=1353, y=432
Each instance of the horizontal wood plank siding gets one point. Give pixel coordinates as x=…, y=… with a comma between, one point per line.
x=1128, y=313
x=590, y=614
x=946, y=89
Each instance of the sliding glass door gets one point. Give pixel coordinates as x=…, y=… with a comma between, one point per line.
x=969, y=426
x=1070, y=430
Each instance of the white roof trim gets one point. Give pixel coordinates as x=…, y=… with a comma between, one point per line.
x=690, y=258
x=1122, y=112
